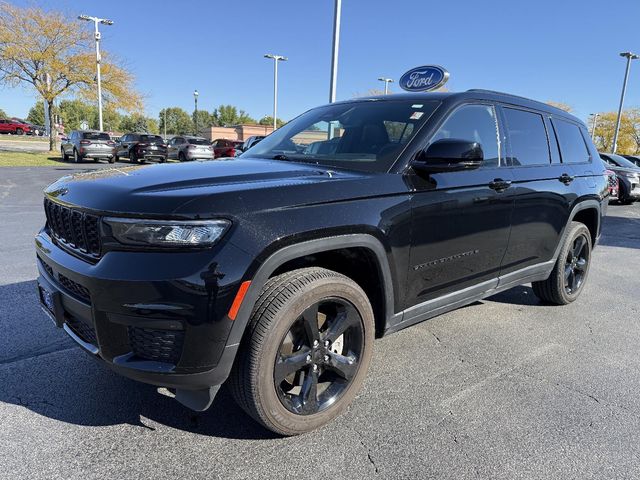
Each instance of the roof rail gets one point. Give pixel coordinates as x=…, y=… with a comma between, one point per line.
x=484, y=90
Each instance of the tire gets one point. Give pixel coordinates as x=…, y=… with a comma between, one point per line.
x=65, y=157
x=555, y=289
x=280, y=307
x=19, y=131
x=76, y=157
x=623, y=197
x=112, y=160
x=116, y=158
x=181, y=157
x=132, y=157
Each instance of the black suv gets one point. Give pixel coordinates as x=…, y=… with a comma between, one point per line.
x=274, y=271
x=140, y=147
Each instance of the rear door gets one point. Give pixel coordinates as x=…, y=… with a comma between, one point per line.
x=461, y=220
x=543, y=188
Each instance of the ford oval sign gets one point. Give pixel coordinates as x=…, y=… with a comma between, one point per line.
x=424, y=79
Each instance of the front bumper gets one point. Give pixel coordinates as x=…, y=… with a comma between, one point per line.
x=156, y=317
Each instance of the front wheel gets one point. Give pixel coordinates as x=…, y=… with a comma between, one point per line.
x=19, y=131
x=572, y=267
x=76, y=157
x=309, y=346
x=65, y=157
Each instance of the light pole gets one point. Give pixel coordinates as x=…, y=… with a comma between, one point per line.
x=629, y=56
x=96, y=21
x=594, y=122
x=276, y=59
x=195, y=99
x=386, y=81
x=334, y=53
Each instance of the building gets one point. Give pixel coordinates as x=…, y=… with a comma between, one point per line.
x=236, y=132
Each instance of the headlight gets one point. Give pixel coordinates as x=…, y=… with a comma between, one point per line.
x=195, y=233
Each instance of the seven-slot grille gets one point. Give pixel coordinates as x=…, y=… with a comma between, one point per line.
x=77, y=230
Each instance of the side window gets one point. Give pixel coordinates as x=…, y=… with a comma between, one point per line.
x=474, y=123
x=572, y=146
x=528, y=138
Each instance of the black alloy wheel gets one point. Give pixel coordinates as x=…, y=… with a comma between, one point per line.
x=319, y=356
x=576, y=265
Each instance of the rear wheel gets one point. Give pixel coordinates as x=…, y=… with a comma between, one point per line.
x=132, y=156
x=181, y=157
x=307, y=351
x=572, y=267
x=19, y=131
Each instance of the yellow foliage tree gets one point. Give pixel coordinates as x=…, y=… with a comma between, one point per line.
x=628, y=137
x=48, y=52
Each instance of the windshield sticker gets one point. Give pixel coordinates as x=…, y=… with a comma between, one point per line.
x=416, y=115
x=417, y=105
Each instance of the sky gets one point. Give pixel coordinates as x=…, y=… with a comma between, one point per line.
x=560, y=50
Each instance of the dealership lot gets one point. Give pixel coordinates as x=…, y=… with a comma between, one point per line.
x=505, y=388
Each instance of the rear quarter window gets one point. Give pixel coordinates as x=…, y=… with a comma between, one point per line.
x=573, y=148
x=527, y=137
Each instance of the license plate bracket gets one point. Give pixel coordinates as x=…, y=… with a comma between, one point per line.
x=51, y=304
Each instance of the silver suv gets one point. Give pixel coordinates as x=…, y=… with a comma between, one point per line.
x=185, y=148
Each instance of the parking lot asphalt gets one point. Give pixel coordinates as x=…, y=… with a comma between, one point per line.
x=505, y=388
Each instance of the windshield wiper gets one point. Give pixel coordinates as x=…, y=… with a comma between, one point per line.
x=280, y=156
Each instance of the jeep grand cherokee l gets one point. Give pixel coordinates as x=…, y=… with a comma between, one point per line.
x=274, y=271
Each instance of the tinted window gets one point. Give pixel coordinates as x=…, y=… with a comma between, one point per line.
x=473, y=123
x=528, y=138
x=151, y=138
x=345, y=135
x=96, y=136
x=198, y=141
x=572, y=146
x=618, y=161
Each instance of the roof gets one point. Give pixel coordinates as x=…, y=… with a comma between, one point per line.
x=472, y=94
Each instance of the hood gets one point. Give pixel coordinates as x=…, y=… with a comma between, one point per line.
x=204, y=188
x=617, y=169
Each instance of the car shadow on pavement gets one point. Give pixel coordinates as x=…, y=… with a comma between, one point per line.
x=621, y=232
x=64, y=383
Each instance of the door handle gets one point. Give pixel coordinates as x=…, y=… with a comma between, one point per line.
x=566, y=178
x=499, y=184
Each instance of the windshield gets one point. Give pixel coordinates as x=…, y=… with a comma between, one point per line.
x=198, y=141
x=96, y=136
x=366, y=135
x=621, y=161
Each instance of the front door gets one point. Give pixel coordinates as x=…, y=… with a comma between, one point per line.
x=461, y=220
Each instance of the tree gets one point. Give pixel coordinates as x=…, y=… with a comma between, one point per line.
x=3, y=114
x=268, y=120
x=74, y=112
x=205, y=120
x=178, y=121
x=36, y=114
x=229, y=115
x=629, y=131
x=136, y=122
x=47, y=52
x=562, y=106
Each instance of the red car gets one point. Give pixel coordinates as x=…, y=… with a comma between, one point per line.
x=14, y=126
x=225, y=148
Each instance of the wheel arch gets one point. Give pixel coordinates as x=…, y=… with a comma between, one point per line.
x=292, y=253
x=589, y=209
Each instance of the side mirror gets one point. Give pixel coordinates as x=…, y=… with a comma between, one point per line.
x=449, y=155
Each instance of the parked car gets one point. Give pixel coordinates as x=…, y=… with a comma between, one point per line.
x=251, y=141
x=14, y=127
x=140, y=147
x=37, y=130
x=184, y=147
x=88, y=144
x=635, y=159
x=276, y=271
x=225, y=148
x=628, y=177
x=614, y=184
